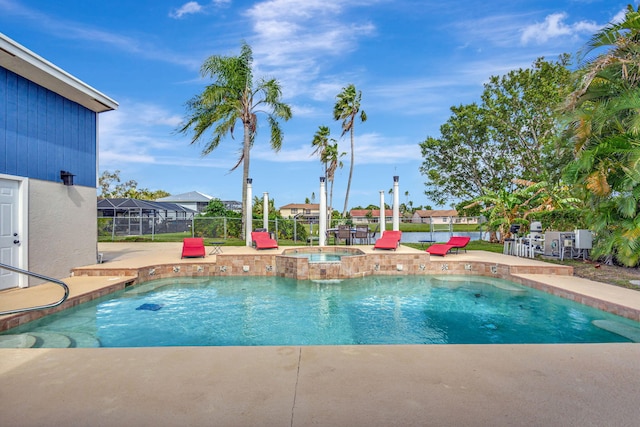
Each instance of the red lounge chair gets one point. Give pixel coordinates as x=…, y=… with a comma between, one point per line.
x=459, y=242
x=455, y=242
x=389, y=240
x=439, y=249
x=262, y=240
x=193, y=247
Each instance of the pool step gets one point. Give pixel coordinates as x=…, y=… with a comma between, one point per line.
x=17, y=341
x=49, y=340
x=627, y=331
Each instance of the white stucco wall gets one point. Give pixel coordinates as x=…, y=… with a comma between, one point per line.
x=62, y=228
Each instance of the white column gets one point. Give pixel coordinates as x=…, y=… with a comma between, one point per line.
x=248, y=213
x=382, y=214
x=322, y=220
x=396, y=204
x=265, y=211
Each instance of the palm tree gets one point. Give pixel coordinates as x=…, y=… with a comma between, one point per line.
x=331, y=158
x=504, y=207
x=605, y=129
x=346, y=109
x=233, y=96
x=320, y=142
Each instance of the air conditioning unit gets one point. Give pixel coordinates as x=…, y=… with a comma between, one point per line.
x=583, y=239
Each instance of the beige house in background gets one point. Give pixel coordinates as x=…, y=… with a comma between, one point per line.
x=369, y=216
x=441, y=216
x=308, y=212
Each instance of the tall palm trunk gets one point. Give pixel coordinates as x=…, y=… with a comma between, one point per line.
x=245, y=175
x=346, y=196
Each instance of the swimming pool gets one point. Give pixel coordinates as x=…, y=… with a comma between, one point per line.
x=241, y=311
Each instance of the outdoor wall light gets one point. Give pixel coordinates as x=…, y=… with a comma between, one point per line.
x=66, y=177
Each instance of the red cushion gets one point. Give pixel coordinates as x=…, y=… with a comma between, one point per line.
x=263, y=240
x=439, y=249
x=389, y=240
x=193, y=247
x=459, y=241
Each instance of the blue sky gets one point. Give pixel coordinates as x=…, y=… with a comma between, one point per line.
x=412, y=60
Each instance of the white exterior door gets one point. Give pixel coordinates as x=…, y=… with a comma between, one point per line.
x=9, y=229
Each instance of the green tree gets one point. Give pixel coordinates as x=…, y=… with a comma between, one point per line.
x=320, y=142
x=219, y=219
x=504, y=208
x=463, y=160
x=235, y=96
x=258, y=208
x=111, y=186
x=513, y=133
x=215, y=208
x=327, y=149
x=523, y=113
x=604, y=125
x=331, y=157
x=346, y=109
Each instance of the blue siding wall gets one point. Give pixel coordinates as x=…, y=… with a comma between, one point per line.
x=42, y=133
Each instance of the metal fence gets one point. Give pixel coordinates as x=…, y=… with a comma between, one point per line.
x=223, y=228
x=118, y=228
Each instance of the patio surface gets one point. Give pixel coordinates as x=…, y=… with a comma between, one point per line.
x=404, y=385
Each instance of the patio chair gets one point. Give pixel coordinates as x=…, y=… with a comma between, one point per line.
x=344, y=233
x=362, y=233
x=389, y=240
x=193, y=247
x=262, y=240
x=455, y=242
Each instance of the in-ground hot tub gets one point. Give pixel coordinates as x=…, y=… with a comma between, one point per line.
x=321, y=263
x=324, y=254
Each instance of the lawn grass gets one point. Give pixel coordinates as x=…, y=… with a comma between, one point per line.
x=474, y=245
x=233, y=241
x=177, y=237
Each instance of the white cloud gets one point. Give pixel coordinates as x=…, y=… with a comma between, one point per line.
x=554, y=26
x=293, y=38
x=370, y=148
x=488, y=31
x=136, y=132
x=188, y=8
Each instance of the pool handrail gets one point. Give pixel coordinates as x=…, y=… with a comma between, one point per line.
x=39, y=276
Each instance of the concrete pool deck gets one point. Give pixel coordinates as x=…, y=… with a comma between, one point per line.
x=439, y=385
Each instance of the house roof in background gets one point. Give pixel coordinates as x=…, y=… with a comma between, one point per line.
x=312, y=206
x=191, y=196
x=365, y=212
x=132, y=204
x=436, y=212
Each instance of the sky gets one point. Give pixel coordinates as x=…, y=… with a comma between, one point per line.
x=412, y=60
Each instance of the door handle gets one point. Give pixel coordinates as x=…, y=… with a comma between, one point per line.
x=15, y=242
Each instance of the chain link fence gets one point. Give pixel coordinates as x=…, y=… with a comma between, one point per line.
x=125, y=228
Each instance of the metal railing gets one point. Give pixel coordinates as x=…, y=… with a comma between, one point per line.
x=39, y=276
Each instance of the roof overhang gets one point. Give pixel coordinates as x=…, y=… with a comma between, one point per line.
x=25, y=63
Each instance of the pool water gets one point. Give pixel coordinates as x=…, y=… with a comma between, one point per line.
x=321, y=256
x=241, y=311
